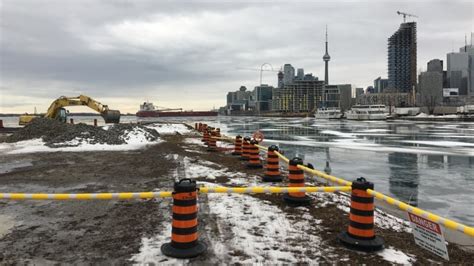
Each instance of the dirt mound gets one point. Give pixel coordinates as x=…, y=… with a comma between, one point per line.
x=58, y=134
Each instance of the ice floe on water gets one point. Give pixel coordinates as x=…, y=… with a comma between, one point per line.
x=441, y=143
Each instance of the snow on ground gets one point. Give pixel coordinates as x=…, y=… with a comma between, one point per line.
x=167, y=129
x=195, y=141
x=396, y=256
x=200, y=168
x=254, y=231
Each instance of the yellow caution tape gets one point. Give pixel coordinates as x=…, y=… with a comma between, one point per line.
x=282, y=157
x=86, y=196
x=271, y=189
x=325, y=176
x=261, y=147
x=427, y=215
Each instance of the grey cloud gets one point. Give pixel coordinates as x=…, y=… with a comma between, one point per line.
x=126, y=49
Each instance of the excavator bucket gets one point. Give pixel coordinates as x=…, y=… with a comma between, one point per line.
x=111, y=116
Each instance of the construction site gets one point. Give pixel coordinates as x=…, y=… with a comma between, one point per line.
x=131, y=170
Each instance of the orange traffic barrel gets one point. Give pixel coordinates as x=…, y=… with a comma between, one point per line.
x=237, y=145
x=254, y=155
x=184, y=232
x=245, y=149
x=272, y=169
x=296, y=179
x=360, y=234
x=211, y=143
x=205, y=136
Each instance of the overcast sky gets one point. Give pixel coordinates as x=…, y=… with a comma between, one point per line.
x=191, y=53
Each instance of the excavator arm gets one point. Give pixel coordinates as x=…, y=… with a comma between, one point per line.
x=56, y=109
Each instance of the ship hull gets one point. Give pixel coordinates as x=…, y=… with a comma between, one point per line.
x=175, y=114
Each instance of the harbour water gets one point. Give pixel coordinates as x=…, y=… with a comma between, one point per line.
x=427, y=164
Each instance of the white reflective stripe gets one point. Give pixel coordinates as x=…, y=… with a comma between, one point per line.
x=28, y=196
x=249, y=190
x=7, y=196
x=115, y=195
x=210, y=189
x=424, y=214
x=284, y=190
x=460, y=227
x=137, y=195
x=50, y=196
x=93, y=196
x=267, y=190
x=410, y=209
x=72, y=196
x=302, y=189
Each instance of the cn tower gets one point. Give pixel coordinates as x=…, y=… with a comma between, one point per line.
x=326, y=59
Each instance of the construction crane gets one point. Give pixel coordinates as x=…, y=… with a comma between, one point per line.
x=405, y=15
x=261, y=69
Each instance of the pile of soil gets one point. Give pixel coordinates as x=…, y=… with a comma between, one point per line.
x=56, y=134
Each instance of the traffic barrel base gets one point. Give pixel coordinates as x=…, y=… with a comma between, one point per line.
x=360, y=234
x=297, y=201
x=195, y=251
x=361, y=244
x=272, y=178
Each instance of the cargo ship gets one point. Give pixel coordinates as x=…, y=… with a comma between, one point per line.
x=147, y=109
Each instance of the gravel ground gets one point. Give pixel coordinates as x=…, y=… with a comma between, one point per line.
x=57, y=134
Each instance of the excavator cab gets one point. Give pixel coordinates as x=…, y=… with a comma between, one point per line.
x=62, y=115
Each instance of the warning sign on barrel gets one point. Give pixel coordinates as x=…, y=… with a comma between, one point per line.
x=428, y=235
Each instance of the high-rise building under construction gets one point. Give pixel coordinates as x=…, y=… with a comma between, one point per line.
x=402, y=58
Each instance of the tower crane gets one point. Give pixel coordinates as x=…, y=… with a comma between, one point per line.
x=405, y=15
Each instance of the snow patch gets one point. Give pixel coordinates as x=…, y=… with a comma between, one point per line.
x=168, y=129
x=396, y=256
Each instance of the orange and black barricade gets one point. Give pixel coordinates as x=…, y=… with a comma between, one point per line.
x=360, y=234
x=245, y=149
x=272, y=170
x=205, y=136
x=196, y=126
x=237, y=145
x=254, y=155
x=218, y=132
x=184, y=233
x=211, y=143
x=200, y=127
x=296, y=179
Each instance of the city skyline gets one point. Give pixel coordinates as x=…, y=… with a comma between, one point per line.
x=188, y=56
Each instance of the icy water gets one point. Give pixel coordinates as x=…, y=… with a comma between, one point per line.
x=427, y=164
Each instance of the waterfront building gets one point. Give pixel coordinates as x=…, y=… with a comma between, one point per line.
x=239, y=101
x=460, y=70
x=300, y=73
x=280, y=79
x=299, y=96
x=359, y=91
x=337, y=96
x=402, y=53
x=380, y=84
x=288, y=74
x=430, y=86
x=263, y=98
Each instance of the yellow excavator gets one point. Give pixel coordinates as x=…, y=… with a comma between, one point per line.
x=56, y=110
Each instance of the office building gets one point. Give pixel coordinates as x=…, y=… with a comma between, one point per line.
x=380, y=84
x=288, y=74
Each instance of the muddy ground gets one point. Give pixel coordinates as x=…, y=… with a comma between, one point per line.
x=111, y=231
